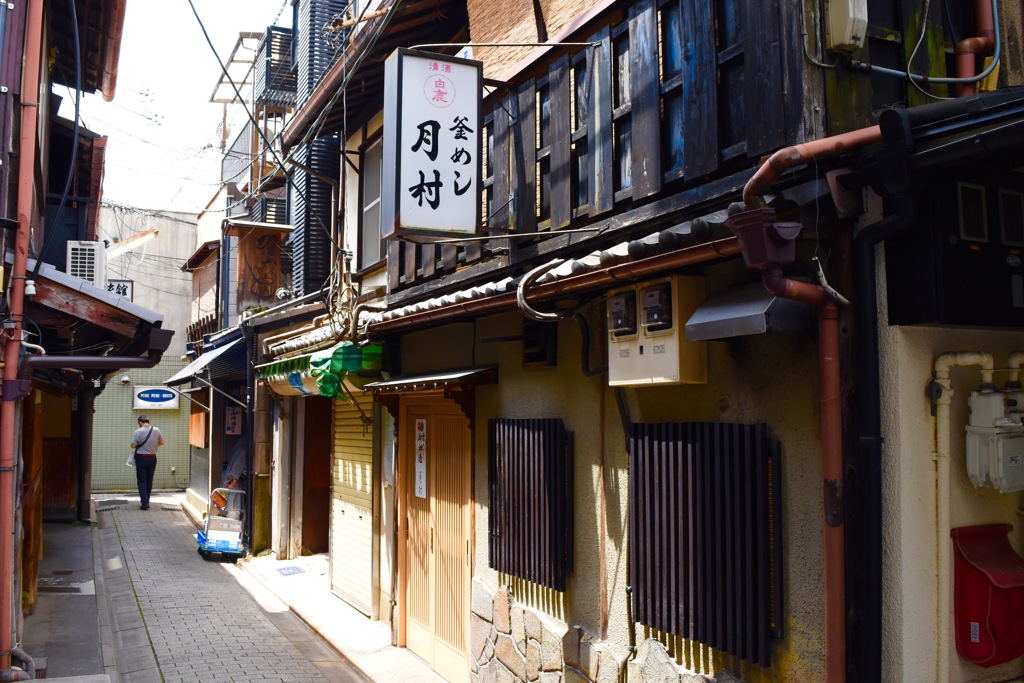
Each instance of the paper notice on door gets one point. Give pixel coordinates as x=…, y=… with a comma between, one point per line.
x=421, y=458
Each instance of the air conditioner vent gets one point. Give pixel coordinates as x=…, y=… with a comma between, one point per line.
x=88, y=261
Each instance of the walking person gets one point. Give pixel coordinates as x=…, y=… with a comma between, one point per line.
x=146, y=441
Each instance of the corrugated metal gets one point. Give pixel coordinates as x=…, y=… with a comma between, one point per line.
x=705, y=553
x=275, y=80
x=530, y=466
x=270, y=211
x=311, y=214
x=315, y=54
x=352, y=503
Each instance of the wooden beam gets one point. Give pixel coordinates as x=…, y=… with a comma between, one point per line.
x=97, y=312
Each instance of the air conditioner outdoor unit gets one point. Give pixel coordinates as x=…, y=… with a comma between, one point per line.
x=88, y=261
x=646, y=339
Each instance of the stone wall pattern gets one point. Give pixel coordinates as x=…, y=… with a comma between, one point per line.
x=511, y=643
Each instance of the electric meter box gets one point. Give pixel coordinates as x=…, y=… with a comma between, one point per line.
x=646, y=339
x=995, y=441
x=846, y=25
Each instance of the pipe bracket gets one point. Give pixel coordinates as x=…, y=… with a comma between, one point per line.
x=13, y=389
x=934, y=392
x=833, y=490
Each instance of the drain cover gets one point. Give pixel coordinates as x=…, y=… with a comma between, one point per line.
x=291, y=571
x=59, y=589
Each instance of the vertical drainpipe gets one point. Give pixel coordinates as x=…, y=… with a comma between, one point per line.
x=249, y=337
x=9, y=431
x=768, y=245
x=864, y=538
x=774, y=236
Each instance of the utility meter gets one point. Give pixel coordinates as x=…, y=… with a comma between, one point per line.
x=657, y=312
x=622, y=314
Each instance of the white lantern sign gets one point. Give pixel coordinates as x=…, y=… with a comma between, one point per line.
x=431, y=146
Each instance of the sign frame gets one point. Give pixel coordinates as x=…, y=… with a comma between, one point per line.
x=129, y=286
x=168, y=403
x=398, y=70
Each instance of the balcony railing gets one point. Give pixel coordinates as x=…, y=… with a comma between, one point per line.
x=275, y=80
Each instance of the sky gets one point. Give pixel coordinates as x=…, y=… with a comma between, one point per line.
x=163, y=151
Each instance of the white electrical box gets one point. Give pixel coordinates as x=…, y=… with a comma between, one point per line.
x=995, y=440
x=846, y=24
x=646, y=341
x=88, y=261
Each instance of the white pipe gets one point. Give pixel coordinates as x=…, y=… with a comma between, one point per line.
x=943, y=364
x=1014, y=362
x=36, y=347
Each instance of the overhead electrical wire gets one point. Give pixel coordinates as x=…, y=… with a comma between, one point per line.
x=252, y=119
x=318, y=122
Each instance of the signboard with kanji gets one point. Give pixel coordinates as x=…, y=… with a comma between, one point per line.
x=431, y=152
x=125, y=288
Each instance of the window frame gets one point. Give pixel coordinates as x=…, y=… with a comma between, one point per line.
x=375, y=141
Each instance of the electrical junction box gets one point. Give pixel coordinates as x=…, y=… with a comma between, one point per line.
x=646, y=340
x=846, y=24
x=995, y=440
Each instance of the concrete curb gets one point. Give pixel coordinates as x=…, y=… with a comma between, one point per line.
x=134, y=659
x=108, y=655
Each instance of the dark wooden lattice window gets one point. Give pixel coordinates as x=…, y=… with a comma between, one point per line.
x=529, y=472
x=705, y=549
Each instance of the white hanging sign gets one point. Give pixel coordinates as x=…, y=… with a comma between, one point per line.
x=421, y=458
x=431, y=151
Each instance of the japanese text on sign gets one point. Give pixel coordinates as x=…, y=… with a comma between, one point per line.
x=432, y=135
x=421, y=458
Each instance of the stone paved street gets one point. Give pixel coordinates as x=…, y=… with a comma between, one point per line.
x=204, y=620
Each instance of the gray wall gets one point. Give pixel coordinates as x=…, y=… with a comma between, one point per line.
x=115, y=420
x=159, y=285
x=155, y=267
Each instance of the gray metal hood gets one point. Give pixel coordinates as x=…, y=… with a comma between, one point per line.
x=744, y=310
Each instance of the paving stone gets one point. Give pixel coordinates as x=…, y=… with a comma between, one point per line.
x=532, y=659
x=532, y=622
x=518, y=628
x=483, y=601
x=571, y=647
x=177, y=618
x=506, y=653
x=502, y=616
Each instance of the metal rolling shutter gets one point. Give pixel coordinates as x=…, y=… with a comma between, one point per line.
x=352, y=504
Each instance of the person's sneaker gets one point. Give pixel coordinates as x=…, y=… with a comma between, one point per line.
x=143, y=507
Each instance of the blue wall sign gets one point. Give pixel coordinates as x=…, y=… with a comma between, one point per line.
x=155, y=398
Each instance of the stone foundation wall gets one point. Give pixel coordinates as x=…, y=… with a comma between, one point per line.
x=510, y=643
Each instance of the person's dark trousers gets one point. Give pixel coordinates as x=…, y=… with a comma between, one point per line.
x=145, y=468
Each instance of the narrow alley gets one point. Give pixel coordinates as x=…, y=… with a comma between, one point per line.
x=174, y=616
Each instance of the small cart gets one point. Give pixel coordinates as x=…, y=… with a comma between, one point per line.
x=222, y=527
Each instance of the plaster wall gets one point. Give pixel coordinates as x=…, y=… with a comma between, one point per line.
x=154, y=267
x=769, y=378
x=909, y=496
x=204, y=289
x=208, y=223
